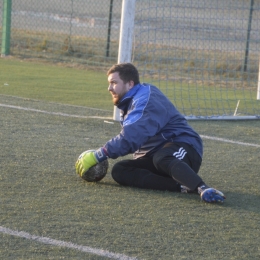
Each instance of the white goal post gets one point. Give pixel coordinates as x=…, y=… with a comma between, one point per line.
x=126, y=38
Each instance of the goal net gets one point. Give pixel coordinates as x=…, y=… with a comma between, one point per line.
x=204, y=55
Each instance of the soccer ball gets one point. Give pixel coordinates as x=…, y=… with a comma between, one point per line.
x=96, y=172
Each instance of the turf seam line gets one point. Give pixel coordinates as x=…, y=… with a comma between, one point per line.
x=52, y=113
x=60, y=243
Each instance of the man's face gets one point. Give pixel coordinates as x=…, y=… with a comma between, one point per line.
x=117, y=87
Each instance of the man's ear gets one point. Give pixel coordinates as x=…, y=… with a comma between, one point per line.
x=131, y=84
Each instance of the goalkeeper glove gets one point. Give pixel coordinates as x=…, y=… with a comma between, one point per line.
x=88, y=159
x=212, y=195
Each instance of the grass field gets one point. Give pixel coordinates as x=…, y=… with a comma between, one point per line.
x=48, y=116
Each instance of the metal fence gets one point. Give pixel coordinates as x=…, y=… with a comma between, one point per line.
x=78, y=31
x=181, y=46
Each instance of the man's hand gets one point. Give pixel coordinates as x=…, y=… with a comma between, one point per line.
x=86, y=160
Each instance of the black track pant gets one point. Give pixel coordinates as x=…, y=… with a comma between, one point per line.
x=171, y=166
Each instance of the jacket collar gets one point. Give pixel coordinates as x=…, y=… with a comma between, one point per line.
x=124, y=102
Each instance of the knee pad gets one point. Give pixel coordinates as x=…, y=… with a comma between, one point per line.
x=158, y=156
x=116, y=172
x=162, y=158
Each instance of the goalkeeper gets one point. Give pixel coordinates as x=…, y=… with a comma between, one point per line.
x=167, y=152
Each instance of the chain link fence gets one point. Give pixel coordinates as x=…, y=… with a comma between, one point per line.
x=177, y=44
x=73, y=31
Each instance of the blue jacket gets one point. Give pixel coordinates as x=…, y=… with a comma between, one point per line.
x=149, y=120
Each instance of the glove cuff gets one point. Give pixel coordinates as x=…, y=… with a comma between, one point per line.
x=100, y=155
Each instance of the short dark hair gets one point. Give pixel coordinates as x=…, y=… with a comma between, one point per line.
x=126, y=71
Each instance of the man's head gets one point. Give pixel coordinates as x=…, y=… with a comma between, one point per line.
x=121, y=78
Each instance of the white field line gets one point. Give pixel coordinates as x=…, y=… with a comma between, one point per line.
x=98, y=117
x=61, y=104
x=54, y=242
x=52, y=113
x=228, y=141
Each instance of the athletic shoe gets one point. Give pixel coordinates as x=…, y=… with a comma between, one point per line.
x=211, y=195
x=185, y=189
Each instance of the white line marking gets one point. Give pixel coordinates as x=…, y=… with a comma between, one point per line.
x=61, y=104
x=99, y=117
x=108, y=122
x=50, y=241
x=52, y=113
x=228, y=141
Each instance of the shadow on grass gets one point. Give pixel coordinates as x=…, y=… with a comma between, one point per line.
x=244, y=201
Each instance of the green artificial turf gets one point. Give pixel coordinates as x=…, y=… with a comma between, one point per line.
x=41, y=194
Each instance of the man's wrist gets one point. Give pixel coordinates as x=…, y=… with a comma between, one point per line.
x=101, y=154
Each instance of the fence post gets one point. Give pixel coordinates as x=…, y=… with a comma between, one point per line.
x=109, y=28
x=258, y=85
x=126, y=38
x=6, y=30
x=248, y=34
